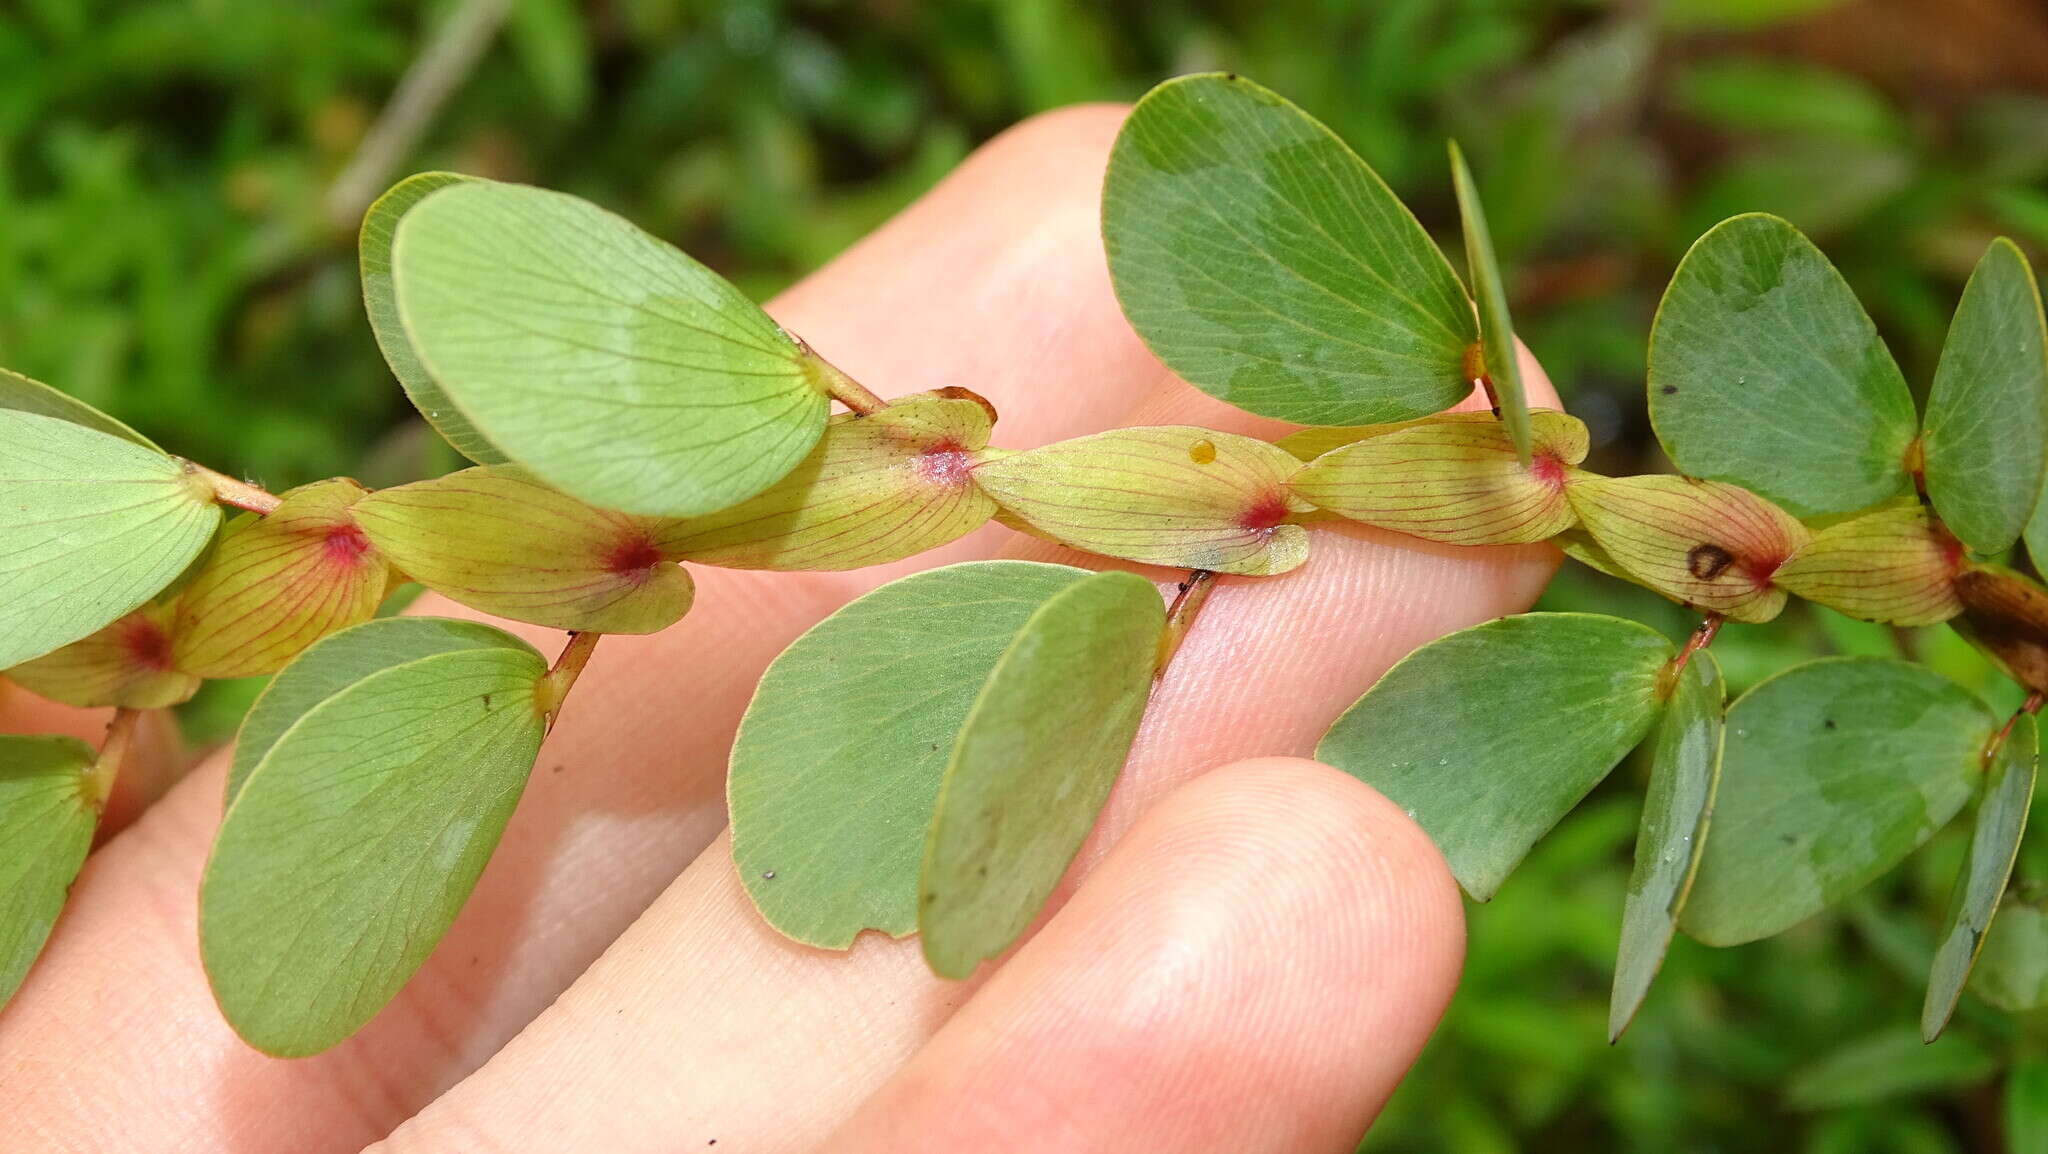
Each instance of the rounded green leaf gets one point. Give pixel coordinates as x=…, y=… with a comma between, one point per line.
x=837, y=763
x=614, y=367
x=877, y=488
x=1685, y=765
x=277, y=583
x=127, y=665
x=1268, y=266
x=1891, y=1063
x=1833, y=771
x=93, y=527
x=1986, y=432
x=1164, y=495
x=340, y=660
x=357, y=839
x=27, y=395
x=1765, y=371
x=380, y=301
x=497, y=540
x=1492, y=734
x=1498, y=360
x=1033, y=764
x=2012, y=972
x=1994, y=846
x=46, y=824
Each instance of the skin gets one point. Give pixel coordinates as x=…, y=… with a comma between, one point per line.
x=1247, y=955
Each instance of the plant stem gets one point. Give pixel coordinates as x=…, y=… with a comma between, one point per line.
x=113, y=751
x=2031, y=706
x=1702, y=636
x=554, y=688
x=239, y=494
x=837, y=384
x=1180, y=616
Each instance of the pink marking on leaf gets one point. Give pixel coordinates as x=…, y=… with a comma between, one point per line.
x=1266, y=514
x=944, y=463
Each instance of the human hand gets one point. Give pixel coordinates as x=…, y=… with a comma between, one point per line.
x=1249, y=955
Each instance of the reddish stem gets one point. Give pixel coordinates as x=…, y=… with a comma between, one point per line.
x=239, y=494
x=1180, y=616
x=113, y=751
x=554, y=688
x=2031, y=706
x=837, y=384
x=1702, y=636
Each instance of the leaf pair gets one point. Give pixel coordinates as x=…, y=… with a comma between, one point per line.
x=370, y=784
x=533, y=327
x=932, y=755
x=1766, y=372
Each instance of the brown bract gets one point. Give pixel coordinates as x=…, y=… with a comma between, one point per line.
x=275, y=584
x=2006, y=614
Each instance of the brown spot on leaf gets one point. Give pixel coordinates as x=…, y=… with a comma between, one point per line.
x=633, y=556
x=1708, y=561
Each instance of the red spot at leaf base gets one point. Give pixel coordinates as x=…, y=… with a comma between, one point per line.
x=1267, y=513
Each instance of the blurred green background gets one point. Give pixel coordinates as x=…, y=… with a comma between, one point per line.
x=180, y=179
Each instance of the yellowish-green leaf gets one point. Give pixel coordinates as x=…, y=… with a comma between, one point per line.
x=1165, y=495
x=1033, y=764
x=380, y=301
x=28, y=395
x=126, y=665
x=1994, y=845
x=612, y=366
x=276, y=584
x=1498, y=361
x=497, y=540
x=1712, y=546
x=357, y=839
x=877, y=488
x=1452, y=478
x=1893, y=564
x=1685, y=766
x=94, y=526
x=46, y=824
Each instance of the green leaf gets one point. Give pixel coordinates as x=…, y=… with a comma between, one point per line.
x=356, y=840
x=2012, y=970
x=2026, y=1106
x=1685, y=765
x=380, y=301
x=1765, y=371
x=553, y=45
x=1492, y=734
x=1033, y=764
x=837, y=763
x=1502, y=367
x=1986, y=433
x=46, y=824
x=1268, y=266
x=1994, y=846
x=26, y=395
x=1834, y=770
x=611, y=365
x=1888, y=1064
x=1753, y=96
x=339, y=661
x=97, y=526
x=497, y=540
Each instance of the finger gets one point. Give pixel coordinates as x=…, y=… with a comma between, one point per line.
x=156, y=756
x=995, y=280
x=1253, y=968
x=701, y=1021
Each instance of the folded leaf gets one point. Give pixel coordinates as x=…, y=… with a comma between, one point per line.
x=380, y=301
x=1833, y=771
x=1263, y=261
x=27, y=395
x=127, y=665
x=611, y=365
x=1491, y=735
x=836, y=767
x=1765, y=371
x=1712, y=546
x=497, y=540
x=1452, y=478
x=1986, y=432
x=1994, y=845
x=356, y=840
x=1685, y=765
x=46, y=824
x=94, y=526
x=1498, y=361
x=1165, y=495
x=1033, y=764
x=340, y=660
x=1894, y=565
x=276, y=584
x=877, y=488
